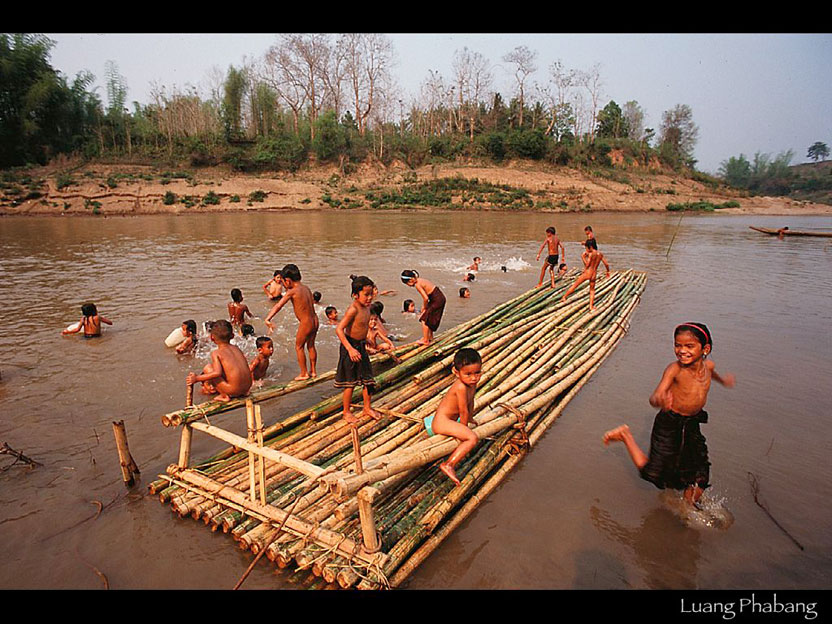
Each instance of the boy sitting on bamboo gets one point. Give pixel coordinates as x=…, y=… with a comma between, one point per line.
x=228, y=375
x=456, y=410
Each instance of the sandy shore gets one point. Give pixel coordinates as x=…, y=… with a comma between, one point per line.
x=143, y=189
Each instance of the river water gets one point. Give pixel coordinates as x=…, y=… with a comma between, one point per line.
x=574, y=515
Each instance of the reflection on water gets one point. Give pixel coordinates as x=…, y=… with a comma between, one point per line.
x=765, y=300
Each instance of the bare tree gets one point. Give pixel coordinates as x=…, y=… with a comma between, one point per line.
x=280, y=73
x=473, y=77
x=523, y=60
x=591, y=81
x=368, y=59
x=634, y=115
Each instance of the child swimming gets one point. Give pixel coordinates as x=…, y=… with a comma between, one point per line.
x=331, y=313
x=456, y=410
x=465, y=293
x=260, y=364
x=354, y=367
x=227, y=375
x=304, y=306
x=90, y=322
x=433, y=304
x=189, y=344
x=237, y=310
x=274, y=287
x=553, y=243
x=678, y=456
x=408, y=307
x=475, y=266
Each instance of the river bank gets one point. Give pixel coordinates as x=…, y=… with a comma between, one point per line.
x=67, y=189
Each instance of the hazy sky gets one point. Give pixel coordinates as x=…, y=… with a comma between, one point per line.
x=748, y=92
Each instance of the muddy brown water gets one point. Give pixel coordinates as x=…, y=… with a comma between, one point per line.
x=574, y=515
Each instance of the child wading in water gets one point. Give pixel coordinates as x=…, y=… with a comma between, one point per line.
x=433, y=304
x=90, y=322
x=228, y=374
x=260, y=364
x=274, y=287
x=456, y=410
x=304, y=306
x=678, y=452
x=237, y=310
x=354, y=368
x=591, y=259
x=189, y=331
x=553, y=242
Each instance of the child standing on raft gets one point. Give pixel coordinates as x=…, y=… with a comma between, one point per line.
x=433, y=304
x=456, y=410
x=553, y=242
x=591, y=259
x=90, y=322
x=354, y=368
x=227, y=375
x=304, y=306
x=678, y=456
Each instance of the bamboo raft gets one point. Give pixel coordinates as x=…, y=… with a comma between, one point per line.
x=777, y=232
x=363, y=506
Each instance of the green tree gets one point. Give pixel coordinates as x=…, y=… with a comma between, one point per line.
x=611, y=122
x=330, y=137
x=818, y=150
x=736, y=171
x=232, y=102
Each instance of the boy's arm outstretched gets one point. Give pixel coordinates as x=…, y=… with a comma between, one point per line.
x=275, y=309
x=662, y=397
x=77, y=329
x=540, y=251
x=728, y=380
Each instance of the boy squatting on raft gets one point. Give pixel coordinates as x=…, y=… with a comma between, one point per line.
x=228, y=374
x=456, y=410
x=354, y=367
x=304, y=306
x=678, y=452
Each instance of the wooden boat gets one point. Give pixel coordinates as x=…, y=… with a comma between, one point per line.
x=362, y=506
x=777, y=232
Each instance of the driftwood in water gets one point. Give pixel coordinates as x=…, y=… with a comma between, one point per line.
x=755, y=490
x=18, y=457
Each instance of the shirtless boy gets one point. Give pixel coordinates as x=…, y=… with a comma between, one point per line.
x=274, y=287
x=354, y=368
x=678, y=456
x=227, y=375
x=237, y=310
x=304, y=306
x=456, y=410
x=260, y=364
x=592, y=258
x=553, y=243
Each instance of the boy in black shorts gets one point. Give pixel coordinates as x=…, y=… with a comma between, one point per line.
x=553, y=242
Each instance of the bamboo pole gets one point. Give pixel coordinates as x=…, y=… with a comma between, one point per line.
x=129, y=469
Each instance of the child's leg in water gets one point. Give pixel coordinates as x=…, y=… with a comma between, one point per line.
x=622, y=434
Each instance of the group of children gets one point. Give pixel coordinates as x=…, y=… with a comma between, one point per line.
x=678, y=456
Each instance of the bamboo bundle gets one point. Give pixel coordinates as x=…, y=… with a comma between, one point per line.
x=537, y=353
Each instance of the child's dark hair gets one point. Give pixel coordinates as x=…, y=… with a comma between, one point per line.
x=329, y=309
x=477, y=258
x=700, y=330
x=550, y=230
x=466, y=356
x=89, y=309
x=222, y=330
x=590, y=243
x=191, y=325
x=462, y=291
x=236, y=295
x=359, y=283
x=409, y=274
x=316, y=296
x=291, y=271
x=588, y=228
x=248, y=330
x=470, y=277
x=406, y=304
x=562, y=265
x=278, y=272
x=261, y=340
x=377, y=307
